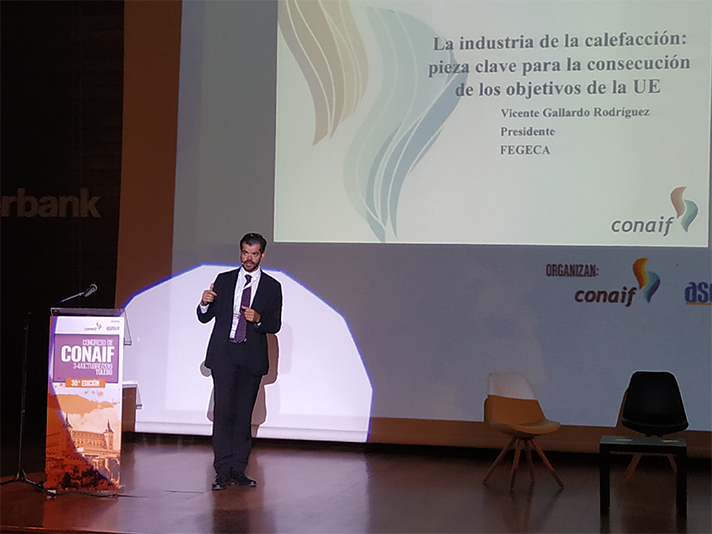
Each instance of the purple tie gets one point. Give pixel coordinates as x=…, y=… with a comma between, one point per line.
x=241, y=332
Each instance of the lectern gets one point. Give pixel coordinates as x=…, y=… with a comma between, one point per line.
x=83, y=451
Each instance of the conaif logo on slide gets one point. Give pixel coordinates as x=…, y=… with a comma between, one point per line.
x=683, y=208
x=686, y=211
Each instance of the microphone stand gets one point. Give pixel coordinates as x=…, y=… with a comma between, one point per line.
x=81, y=293
x=20, y=476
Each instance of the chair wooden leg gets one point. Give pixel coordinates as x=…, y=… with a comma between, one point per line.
x=499, y=458
x=528, y=449
x=672, y=462
x=515, y=464
x=636, y=458
x=632, y=465
x=546, y=462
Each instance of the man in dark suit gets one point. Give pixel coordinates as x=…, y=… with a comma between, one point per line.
x=247, y=305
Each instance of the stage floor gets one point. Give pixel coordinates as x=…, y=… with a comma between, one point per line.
x=333, y=488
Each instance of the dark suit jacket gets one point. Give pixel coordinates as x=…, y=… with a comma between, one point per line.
x=252, y=353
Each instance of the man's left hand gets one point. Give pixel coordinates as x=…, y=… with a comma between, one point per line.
x=251, y=315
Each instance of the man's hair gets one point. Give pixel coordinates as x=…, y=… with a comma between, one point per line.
x=254, y=239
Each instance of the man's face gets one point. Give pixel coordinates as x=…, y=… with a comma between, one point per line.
x=250, y=256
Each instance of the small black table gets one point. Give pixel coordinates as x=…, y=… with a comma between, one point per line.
x=645, y=445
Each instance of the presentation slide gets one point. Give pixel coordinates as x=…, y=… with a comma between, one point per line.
x=482, y=122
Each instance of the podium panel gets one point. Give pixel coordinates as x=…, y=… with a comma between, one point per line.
x=83, y=450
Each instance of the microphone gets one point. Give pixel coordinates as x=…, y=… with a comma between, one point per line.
x=90, y=290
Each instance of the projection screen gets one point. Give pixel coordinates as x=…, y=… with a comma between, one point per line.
x=449, y=189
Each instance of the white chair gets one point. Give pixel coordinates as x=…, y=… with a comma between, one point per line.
x=511, y=407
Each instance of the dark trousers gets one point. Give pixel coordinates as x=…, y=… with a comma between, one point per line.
x=235, y=392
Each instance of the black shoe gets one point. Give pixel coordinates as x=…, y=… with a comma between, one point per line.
x=221, y=483
x=241, y=479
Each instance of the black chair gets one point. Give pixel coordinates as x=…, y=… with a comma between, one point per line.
x=653, y=406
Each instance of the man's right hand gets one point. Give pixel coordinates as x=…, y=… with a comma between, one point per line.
x=208, y=296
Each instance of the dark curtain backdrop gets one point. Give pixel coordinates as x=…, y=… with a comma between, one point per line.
x=61, y=120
